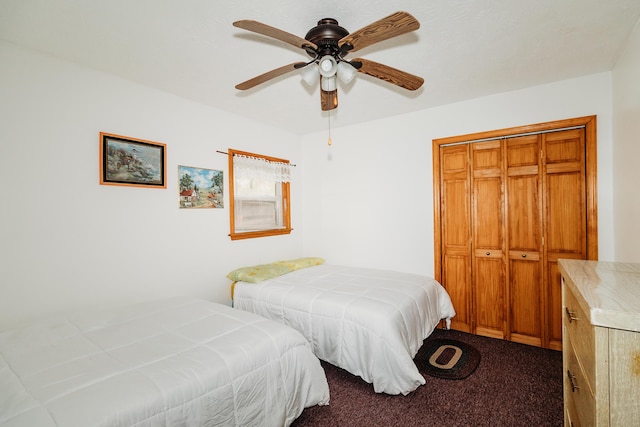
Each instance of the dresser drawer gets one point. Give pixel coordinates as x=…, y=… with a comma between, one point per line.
x=582, y=336
x=581, y=405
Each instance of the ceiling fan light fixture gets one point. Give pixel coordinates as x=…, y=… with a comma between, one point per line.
x=328, y=84
x=310, y=74
x=327, y=44
x=327, y=66
x=346, y=72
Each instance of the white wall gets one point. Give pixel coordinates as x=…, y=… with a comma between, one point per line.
x=68, y=242
x=369, y=197
x=626, y=152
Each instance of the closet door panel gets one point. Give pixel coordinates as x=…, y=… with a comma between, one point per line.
x=456, y=228
x=488, y=263
x=565, y=212
x=456, y=232
x=565, y=217
x=523, y=212
x=565, y=204
x=487, y=226
x=524, y=229
x=526, y=296
x=488, y=277
x=456, y=276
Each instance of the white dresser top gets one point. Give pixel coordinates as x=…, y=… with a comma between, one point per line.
x=610, y=289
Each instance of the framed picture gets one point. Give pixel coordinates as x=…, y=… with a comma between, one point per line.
x=200, y=188
x=131, y=161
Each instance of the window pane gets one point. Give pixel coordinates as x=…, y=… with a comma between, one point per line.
x=260, y=201
x=254, y=215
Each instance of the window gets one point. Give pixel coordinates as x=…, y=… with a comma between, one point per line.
x=259, y=201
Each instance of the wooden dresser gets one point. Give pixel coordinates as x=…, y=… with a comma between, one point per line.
x=601, y=343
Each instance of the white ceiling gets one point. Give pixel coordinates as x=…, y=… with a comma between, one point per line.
x=463, y=49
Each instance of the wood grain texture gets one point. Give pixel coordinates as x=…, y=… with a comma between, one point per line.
x=383, y=29
x=529, y=210
x=488, y=239
x=389, y=74
x=625, y=377
x=605, y=360
x=524, y=240
x=266, y=30
x=455, y=232
x=328, y=100
x=262, y=78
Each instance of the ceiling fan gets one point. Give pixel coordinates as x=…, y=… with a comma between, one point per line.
x=328, y=44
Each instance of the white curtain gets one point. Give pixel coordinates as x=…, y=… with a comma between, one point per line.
x=258, y=197
x=254, y=168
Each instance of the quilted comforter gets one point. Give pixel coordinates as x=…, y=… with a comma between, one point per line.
x=181, y=361
x=367, y=321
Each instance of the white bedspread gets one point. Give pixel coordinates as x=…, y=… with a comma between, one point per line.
x=174, y=362
x=369, y=322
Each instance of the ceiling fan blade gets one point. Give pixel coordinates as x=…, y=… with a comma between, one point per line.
x=328, y=99
x=269, y=75
x=386, y=28
x=266, y=30
x=389, y=74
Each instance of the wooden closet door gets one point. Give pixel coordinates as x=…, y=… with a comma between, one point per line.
x=455, y=232
x=488, y=263
x=565, y=217
x=524, y=241
x=504, y=279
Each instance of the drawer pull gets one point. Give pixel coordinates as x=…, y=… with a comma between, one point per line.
x=488, y=253
x=572, y=382
x=524, y=255
x=571, y=315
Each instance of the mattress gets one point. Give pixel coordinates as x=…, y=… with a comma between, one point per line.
x=173, y=362
x=369, y=322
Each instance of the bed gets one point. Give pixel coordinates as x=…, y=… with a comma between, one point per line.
x=369, y=322
x=180, y=361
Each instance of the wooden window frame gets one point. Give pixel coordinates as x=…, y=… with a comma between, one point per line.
x=286, y=202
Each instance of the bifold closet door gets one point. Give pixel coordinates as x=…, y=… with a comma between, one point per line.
x=487, y=241
x=565, y=217
x=455, y=232
x=508, y=205
x=472, y=235
x=524, y=241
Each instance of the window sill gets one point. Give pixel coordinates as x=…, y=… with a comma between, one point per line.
x=263, y=233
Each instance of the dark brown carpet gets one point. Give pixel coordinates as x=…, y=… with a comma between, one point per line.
x=514, y=385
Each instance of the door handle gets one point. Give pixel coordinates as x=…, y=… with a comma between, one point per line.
x=570, y=314
x=572, y=381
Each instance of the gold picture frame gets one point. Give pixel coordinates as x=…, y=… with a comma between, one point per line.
x=132, y=162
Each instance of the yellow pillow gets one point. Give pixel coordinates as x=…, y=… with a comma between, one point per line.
x=258, y=273
x=297, y=264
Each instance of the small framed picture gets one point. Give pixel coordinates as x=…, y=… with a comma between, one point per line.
x=132, y=162
x=200, y=188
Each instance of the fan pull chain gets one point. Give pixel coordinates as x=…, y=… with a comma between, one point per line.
x=329, y=142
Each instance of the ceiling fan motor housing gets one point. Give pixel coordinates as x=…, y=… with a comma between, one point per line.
x=326, y=35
